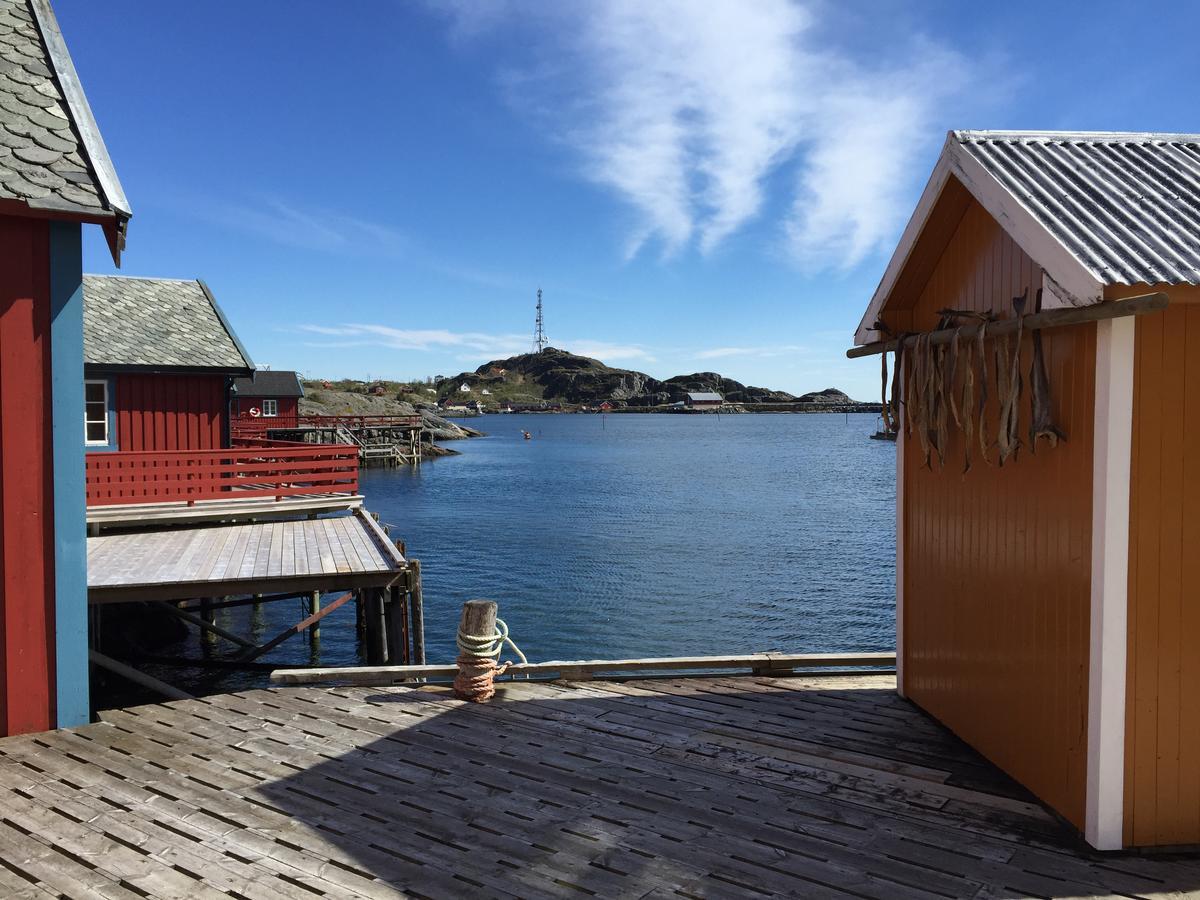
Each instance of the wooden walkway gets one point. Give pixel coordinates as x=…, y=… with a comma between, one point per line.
x=216, y=560
x=729, y=787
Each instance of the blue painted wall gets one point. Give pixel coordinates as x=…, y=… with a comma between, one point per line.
x=70, y=528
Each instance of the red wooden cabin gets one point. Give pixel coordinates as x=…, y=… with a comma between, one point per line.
x=267, y=395
x=55, y=175
x=160, y=359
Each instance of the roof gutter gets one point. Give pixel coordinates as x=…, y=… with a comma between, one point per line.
x=85, y=124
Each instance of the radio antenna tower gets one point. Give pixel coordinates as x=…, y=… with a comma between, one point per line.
x=539, y=333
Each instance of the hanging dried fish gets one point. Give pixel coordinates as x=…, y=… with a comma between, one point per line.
x=885, y=408
x=981, y=353
x=1010, y=409
x=1041, y=424
x=1002, y=360
x=897, y=386
x=922, y=424
x=940, y=434
x=952, y=376
x=968, y=402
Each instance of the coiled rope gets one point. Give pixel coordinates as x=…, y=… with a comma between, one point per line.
x=479, y=663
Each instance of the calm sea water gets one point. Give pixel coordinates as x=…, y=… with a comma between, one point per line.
x=637, y=535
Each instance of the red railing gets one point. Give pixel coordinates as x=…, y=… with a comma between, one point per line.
x=245, y=424
x=191, y=475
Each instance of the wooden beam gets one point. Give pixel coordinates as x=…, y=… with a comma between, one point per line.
x=774, y=662
x=141, y=678
x=1051, y=318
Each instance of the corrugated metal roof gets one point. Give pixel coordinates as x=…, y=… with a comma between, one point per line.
x=156, y=323
x=704, y=397
x=269, y=383
x=1126, y=205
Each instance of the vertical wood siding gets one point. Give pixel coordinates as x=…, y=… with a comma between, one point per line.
x=288, y=406
x=170, y=412
x=997, y=565
x=27, y=687
x=1162, y=755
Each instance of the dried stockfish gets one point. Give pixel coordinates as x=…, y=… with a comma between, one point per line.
x=897, y=386
x=940, y=434
x=1010, y=407
x=981, y=353
x=1041, y=424
x=952, y=375
x=926, y=370
x=968, y=403
x=885, y=409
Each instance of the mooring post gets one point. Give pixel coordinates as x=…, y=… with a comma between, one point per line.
x=209, y=617
x=418, y=615
x=476, y=630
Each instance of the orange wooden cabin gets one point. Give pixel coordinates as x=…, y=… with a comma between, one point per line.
x=1048, y=611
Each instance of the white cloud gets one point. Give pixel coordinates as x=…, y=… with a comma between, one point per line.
x=476, y=344
x=684, y=109
x=356, y=334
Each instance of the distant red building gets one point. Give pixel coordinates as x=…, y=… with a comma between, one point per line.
x=267, y=395
x=159, y=359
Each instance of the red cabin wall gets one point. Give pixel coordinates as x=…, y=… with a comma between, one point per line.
x=27, y=672
x=289, y=407
x=170, y=412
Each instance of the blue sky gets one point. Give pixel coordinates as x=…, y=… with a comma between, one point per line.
x=378, y=188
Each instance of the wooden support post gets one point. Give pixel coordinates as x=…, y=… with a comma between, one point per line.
x=397, y=643
x=314, y=633
x=207, y=635
x=206, y=627
x=418, y=614
x=376, y=629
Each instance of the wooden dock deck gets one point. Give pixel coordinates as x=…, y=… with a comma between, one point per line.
x=216, y=560
x=726, y=786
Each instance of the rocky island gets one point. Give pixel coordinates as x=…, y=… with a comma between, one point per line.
x=556, y=378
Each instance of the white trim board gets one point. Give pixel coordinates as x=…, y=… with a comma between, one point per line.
x=1105, y=804
x=1073, y=283
x=900, y=546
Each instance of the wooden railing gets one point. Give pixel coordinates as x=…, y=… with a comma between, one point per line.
x=251, y=425
x=243, y=473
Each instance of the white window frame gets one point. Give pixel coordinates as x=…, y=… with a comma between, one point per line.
x=107, y=437
x=270, y=409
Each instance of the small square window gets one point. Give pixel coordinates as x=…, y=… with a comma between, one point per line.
x=95, y=412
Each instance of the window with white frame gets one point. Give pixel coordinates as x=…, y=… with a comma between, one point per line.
x=95, y=412
x=270, y=408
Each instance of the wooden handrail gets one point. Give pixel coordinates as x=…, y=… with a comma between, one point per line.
x=153, y=476
x=586, y=669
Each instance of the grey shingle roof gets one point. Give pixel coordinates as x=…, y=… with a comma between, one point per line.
x=269, y=383
x=157, y=323
x=1126, y=205
x=51, y=154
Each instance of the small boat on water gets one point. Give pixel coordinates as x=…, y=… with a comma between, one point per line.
x=528, y=436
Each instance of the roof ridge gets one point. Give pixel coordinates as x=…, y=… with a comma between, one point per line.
x=964, y=135
x=142, y=278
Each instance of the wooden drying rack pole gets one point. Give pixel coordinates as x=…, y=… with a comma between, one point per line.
x=1051, y=318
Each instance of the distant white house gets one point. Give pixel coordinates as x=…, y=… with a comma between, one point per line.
x=485, y=391
x=464, y=388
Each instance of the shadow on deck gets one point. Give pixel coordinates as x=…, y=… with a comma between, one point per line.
x=734, y=786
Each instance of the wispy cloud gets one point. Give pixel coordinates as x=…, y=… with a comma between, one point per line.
x=476, y=344
x=685, y=109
